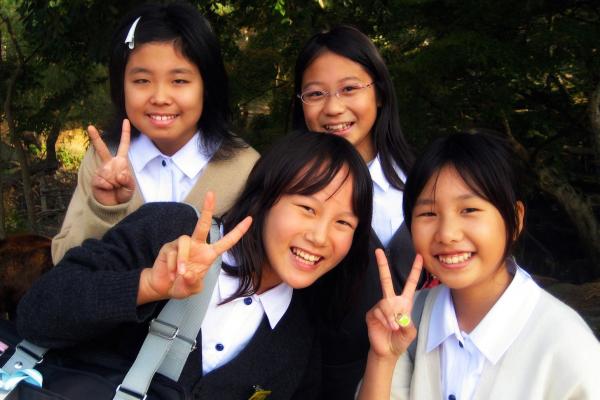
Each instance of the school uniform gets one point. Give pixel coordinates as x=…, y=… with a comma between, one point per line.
x=184, y=177
x=530, y=345
x=86, y=306
x=346, y=346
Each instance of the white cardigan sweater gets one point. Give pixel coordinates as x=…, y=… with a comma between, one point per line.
x=555, y=357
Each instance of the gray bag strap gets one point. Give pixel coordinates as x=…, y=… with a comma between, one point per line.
x=171, y=337
x=416, y=314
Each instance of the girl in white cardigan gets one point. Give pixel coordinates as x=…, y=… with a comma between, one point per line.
x=489, y=332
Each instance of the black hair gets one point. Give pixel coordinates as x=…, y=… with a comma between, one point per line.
x=191, y=33
x=349, y=42
x=303, y=162
x=487, y=165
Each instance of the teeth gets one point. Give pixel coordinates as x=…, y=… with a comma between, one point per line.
x=158, y=117
x=338, y=127
x=455, y=258
x=305, y=257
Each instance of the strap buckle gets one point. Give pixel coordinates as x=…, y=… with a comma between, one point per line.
x=38, y=359
x=163, y=329
x=129, y=392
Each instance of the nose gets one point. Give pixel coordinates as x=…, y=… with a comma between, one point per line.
x=334, y=104
x=161, y=95
x=317, y=233
x=449, y=230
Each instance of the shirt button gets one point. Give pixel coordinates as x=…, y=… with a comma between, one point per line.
x=452, y=397
x=219, y=347
x=164, y=163
x=248, y=301
x=461, y=345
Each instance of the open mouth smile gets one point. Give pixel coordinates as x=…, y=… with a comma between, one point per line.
x=451, y=259
x=305, y=257
x=333, y=128
x=162, y=117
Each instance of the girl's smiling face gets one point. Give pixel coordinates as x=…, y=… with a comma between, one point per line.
x=305, y=236
x=352, y=118
x=461, y=236
x=164, y=94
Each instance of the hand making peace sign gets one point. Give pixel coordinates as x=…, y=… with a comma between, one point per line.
x=181, y=265
x=113, y=182
x=387, y=336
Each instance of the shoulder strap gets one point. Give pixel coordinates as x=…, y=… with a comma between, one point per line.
x=417, y=311
x=171, y=337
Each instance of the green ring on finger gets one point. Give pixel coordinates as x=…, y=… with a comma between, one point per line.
x=402, y=319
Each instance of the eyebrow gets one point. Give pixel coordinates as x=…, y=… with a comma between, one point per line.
x=429, y=201
x=174, y=71
x=341, y=81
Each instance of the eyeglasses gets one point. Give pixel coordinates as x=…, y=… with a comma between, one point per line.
x=316, y=96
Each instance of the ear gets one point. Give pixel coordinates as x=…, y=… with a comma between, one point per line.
x=521, y=216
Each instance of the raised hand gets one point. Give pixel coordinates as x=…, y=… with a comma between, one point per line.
x=388, y=337
x=113, y=182
x=181, y=265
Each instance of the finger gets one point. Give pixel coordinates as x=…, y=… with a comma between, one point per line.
x=98, y=144
x=172, y=264
x=125, y=138
x=100, y=182
x=183, y=252
x=387, y=287
x=233, y=236
x=413, y=278
x=203, y=226
x=384, y=320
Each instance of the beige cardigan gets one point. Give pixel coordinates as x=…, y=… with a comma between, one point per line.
x=86, y=218
x=556, y=357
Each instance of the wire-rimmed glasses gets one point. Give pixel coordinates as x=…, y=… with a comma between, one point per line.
x=318, y=96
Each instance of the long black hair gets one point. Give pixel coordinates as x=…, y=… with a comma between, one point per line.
x=302, y=162
x=487, y=165
x=349, y=42
x=191, y=33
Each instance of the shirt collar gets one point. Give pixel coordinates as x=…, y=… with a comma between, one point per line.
x=377, y=175
x=190, y=159
x=443, y=321
x=511, y=312
x=274, y=301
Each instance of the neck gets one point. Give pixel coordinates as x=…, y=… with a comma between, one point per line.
x=473, y=303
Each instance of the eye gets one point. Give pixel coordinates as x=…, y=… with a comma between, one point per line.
x=314, y=94
x=349, y=90
x=307, y=209
x=469, y=210
x=425, y=214
x=346, y=224
x=180, y=81
x=140, y=81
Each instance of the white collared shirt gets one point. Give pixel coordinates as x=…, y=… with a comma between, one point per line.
x=227, y=328
x=387, y=202
x=463, y=356
x=164, y=178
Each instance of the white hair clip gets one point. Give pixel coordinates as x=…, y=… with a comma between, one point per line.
x=131, y=34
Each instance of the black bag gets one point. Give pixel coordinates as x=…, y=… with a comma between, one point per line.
x=66, y=379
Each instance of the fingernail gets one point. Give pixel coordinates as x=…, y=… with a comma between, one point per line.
x=181, y=268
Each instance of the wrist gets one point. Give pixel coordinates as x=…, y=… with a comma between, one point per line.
x=383, y=360
x=146, y=292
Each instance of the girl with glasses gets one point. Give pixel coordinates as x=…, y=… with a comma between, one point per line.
x=343, y=88
x=169, y=91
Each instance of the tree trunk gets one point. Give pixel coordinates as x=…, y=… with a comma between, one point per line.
x=18, y=144
x=594, y=116
x=51, y=162
x=578, y=209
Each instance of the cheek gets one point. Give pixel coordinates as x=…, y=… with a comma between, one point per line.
x=311, y=116
x=421, y=239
